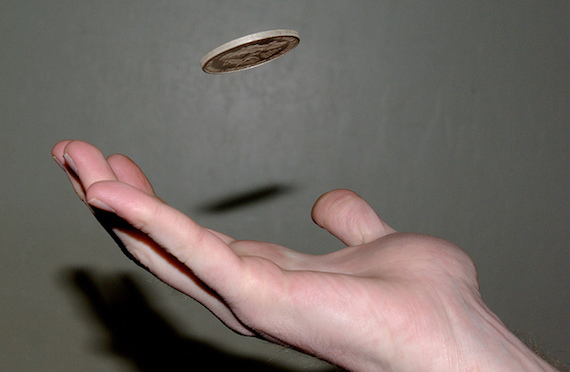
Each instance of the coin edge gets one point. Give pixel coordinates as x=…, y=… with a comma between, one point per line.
x=245, y=40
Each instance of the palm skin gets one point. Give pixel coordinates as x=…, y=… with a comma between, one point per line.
x=388, y=301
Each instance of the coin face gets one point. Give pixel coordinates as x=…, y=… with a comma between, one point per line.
x=249, y=51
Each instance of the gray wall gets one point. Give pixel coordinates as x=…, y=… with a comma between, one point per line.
x=451, y=118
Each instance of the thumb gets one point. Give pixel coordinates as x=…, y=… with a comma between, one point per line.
x=347, y=216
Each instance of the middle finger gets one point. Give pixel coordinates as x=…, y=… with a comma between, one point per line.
x=88, y=163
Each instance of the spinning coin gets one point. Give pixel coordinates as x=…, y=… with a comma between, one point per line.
x=249, y=51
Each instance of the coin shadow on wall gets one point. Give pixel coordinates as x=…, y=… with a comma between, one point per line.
x=245, y=199
x=143, y=336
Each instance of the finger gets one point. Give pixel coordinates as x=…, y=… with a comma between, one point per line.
x=123, y=168
x=88, y=163
x=58, y=156
x=178, y=251
x=347, y=216
x=207, y=256
x=172, y=272
x=57, y=151
x=128, y=172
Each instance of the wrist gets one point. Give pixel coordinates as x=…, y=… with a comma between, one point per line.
x=490, y=346
x=479, y=342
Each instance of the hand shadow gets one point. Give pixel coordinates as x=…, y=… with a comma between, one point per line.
x=140, y=334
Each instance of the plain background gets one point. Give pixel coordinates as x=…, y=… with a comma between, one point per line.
x=450, y=118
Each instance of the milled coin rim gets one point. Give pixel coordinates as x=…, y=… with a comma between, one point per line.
x=243, y=41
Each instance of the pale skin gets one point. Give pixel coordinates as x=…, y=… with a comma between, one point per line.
x=389, y=301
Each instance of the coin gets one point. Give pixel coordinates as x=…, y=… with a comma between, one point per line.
x=249, y=51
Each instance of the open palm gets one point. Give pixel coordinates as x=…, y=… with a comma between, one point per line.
x=387, y=298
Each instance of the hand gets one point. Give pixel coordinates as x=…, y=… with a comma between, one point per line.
x=388, y=301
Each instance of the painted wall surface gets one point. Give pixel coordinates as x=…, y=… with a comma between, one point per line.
x=450, y=118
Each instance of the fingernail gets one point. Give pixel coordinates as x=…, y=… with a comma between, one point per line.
x=58, y=162
x=96, y=203
x=69, y=161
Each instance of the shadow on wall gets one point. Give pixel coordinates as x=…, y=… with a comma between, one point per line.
x=142, y=335
x=247, y=198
